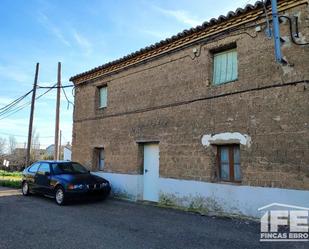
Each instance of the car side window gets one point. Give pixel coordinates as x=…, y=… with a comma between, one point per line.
x=44, y=167
x=34, y=168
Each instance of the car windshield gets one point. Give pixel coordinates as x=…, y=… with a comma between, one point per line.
x=68, y=168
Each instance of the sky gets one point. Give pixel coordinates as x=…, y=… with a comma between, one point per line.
x=81, y=34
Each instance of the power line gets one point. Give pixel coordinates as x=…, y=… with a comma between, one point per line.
x=17, y=135
x=55, y=87
x=19, y=108
x=69, y=101
x=14, y=103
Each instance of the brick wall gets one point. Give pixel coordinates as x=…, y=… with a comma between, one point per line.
x=152, y=102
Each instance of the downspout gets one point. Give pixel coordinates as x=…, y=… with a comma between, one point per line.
x=276, y=31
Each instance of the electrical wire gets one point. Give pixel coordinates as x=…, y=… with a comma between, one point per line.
x=17, y=135
x=69, y=101
x=55, y=87
x=291, y=32
x=14, y=103
x=19, y=108
x=186, y=102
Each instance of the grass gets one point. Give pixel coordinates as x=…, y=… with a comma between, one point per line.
x=10, y=179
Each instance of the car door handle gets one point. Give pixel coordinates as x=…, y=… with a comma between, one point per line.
x=146, y=170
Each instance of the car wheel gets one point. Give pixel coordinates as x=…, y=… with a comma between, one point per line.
x=60, y=196
x=25, y=188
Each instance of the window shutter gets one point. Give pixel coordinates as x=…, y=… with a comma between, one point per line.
x=103, y=96
x=225, y=67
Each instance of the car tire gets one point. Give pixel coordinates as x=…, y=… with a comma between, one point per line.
x=25, y=188
x=60, y=196
x=104, y=196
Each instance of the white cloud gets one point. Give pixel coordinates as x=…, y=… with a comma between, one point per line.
x=52, y=28
x=181, y=16
x=157, y=34
x=83, y=42
x=4, y=101
x=15, y=74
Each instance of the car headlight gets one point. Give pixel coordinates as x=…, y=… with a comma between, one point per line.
x=75, y=186
x=104, y=184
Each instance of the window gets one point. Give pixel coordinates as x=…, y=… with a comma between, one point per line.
x=44, y=167
x=34, y=168
x=68, y=168
x=103, y=97
x=229, y=163
x=101, y=158
x=225, y=67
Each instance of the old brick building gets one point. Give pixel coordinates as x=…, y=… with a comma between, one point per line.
x=206, y=117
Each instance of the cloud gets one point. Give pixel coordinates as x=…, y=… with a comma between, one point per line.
x=53, y=29
x=83, y=42
x=181, y=16
x=5, y=100
x=157, y=34
x=13, y=73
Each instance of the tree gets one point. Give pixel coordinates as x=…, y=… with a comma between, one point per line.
x=12, y=144
x=2, y=145
x=35, y=145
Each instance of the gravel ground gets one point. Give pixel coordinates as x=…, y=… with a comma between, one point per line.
x=37, y=222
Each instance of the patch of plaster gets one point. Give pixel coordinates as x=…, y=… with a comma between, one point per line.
x=225, y=138
x=287, y=69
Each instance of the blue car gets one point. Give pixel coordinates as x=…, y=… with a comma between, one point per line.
x=63, y=180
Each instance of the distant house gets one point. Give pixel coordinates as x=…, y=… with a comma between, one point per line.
x=50, y=150
x=65, y=151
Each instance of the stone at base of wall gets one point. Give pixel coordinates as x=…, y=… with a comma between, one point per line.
x=213, y=197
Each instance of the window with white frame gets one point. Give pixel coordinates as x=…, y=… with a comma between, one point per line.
x=225, y=67
x=103, y=97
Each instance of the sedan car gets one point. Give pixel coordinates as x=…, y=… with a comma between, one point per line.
x=63, y=180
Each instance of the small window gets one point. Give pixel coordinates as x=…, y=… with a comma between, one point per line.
x=229, y=163
x=34, y=168
x=103, y=97
x=225, y=68
x=44, y=167
x=101, y=159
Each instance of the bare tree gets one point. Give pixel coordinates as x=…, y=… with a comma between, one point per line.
x=12, y=144
x=2, y=145
x=35, y=145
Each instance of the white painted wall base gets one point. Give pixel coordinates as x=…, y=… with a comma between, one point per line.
x=244, y=200
x=124, y=185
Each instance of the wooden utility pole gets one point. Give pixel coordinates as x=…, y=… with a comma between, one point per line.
x=32, y=114
x=60, y=140
x=56, y=151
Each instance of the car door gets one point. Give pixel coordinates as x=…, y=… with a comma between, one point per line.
x=42, y=179
x=30, y=176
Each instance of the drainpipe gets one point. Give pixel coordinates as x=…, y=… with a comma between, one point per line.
x=276, y=30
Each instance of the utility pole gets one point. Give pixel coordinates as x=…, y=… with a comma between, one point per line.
x=60, y=144
x=56, y=151
x=32, y=114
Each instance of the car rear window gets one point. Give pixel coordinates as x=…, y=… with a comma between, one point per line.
x=68, y=168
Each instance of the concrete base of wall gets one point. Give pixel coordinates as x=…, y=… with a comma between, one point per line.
x=215, y=197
